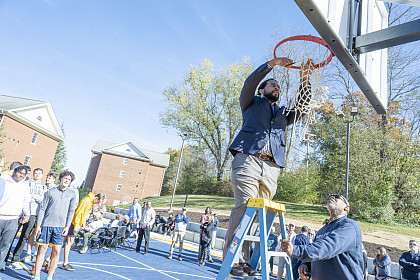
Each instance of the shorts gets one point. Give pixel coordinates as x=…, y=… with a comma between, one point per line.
x=178, y=235
x=71, y=233
x=51, y=236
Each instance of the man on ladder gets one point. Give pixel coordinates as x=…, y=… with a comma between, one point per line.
x=258, y=149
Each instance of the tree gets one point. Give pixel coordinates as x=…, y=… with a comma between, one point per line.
x=60, y=158
x=169, y=178
x=206, y=106
x=379, y=190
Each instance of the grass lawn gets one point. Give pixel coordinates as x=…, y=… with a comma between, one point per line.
x=317, y=213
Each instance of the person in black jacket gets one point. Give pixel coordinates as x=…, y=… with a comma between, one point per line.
x=300, y=239
x=205, y=240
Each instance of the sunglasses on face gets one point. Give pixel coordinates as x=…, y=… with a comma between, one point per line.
x=414, y=244
x=339, y=196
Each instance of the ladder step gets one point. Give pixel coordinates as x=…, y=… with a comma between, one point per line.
x=252, y=238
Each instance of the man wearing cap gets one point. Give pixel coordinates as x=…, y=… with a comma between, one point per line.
x=336, y=252
x=181, y=222
x=410, y=262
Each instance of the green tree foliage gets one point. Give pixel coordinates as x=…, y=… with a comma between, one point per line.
x=299, y=186
x=83, y=193
x=169, y=178
x=60, y=158
x=382, y=178
x=206, y=106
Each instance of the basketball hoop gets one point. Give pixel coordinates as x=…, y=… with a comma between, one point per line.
x=318, y=63
x=300, y=49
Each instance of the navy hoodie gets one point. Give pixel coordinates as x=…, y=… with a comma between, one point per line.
x=335, y=253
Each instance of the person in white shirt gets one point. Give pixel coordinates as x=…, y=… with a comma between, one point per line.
x=146, y=224
x=90, y=229
x=37, y=190
x=181, y=222
x=14, y=200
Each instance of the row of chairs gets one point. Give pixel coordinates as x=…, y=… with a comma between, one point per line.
x=107, y=239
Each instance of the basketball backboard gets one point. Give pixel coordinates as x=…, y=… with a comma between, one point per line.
x=338, y=22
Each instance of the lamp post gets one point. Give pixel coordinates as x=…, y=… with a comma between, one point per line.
x=340, y=114
x=183, y=136
x=308, y=138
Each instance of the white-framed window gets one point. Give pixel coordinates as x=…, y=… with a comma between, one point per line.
x=122, y=173
x=34, y=138
x=119, y=186
x=27, y=160
x=125, y=160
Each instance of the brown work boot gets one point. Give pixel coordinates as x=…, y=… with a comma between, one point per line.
x=237, y=270
x=249, y=270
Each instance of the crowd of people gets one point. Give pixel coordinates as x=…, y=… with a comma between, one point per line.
x=52, y=215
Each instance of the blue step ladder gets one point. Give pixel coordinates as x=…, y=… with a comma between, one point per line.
x=267, y=212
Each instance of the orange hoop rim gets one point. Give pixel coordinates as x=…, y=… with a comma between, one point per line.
x=310, y=38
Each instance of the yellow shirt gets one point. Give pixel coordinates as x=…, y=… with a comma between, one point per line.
x=81, y=213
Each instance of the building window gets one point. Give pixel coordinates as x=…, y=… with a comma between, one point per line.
x=125, y=161
x=128, y=150
x=34, y=138
x=27, y=159
x=122, y=173
x=118, y=187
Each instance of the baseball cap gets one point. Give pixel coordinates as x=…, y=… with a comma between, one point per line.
x=183, y=208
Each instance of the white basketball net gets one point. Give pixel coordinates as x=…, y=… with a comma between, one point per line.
x=300, y=52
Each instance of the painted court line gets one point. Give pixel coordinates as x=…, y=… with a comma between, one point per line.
x=97, y=269
x=186, y=246
x=144, y=265
x=140, y=268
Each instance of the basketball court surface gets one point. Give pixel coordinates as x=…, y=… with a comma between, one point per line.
x=124, y=264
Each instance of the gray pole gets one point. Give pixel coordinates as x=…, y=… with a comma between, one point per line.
x=346, y=192
x=177, y=172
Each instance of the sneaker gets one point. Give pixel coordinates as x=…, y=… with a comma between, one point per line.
x=36, y=278
x=67, y=267
x=145, y=254
x=170, y=256
x=179, y=258
x=211, y=261
x=83, y=251
x=26, y=259
x=16, y=265
x=33, y=259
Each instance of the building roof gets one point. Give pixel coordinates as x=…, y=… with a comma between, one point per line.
x=35, y=113
x=129, y=150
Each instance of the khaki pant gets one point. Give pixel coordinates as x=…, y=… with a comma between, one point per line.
x=251, y=177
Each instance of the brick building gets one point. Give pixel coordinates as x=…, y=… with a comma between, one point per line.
x=31, y=132
x=125, y=172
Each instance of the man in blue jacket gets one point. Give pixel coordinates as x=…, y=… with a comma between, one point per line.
x=410, y=262
x=336, y=252
x=258, y=149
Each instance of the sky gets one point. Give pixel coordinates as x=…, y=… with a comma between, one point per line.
x=103, y=65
